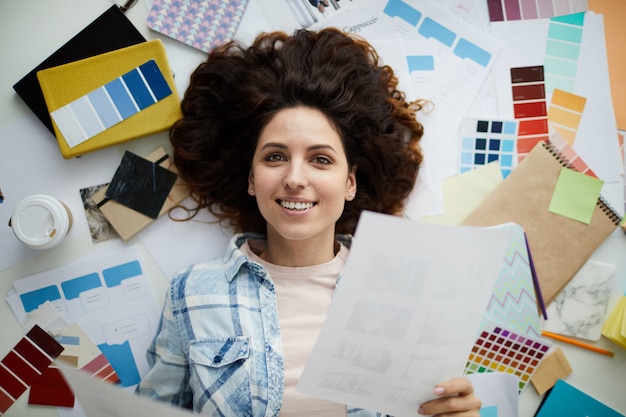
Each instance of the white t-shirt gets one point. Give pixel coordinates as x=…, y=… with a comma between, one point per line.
x=304, y=295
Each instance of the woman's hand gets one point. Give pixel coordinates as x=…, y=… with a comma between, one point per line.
x=456, y=398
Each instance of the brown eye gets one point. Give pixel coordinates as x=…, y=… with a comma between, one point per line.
x=274, y=157
x=322, y=160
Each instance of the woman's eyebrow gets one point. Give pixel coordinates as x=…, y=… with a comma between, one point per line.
x=310, y=148
x=321, y=146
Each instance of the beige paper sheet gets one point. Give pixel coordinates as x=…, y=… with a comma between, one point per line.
x=614, y=12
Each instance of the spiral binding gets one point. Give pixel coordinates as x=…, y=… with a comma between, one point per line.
x=609, y=211
x=601, y=203
x=557, y=154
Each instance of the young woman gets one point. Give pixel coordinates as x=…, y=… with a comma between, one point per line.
x=287, y=140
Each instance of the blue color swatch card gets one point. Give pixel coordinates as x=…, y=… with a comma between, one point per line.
x=112, y=103
x=484, y=141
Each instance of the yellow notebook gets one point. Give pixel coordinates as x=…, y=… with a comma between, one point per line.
x=110, y=98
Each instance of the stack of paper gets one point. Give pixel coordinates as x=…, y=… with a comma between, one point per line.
x=614, y=327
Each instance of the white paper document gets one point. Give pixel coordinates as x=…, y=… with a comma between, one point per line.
x=101, y=399
x=405, y=314
x=454, y=67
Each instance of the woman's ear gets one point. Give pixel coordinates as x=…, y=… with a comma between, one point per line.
x=251, y=184
x=351, y=184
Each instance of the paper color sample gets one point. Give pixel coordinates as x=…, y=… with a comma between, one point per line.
x=568, y=152
x=498, y=349
x=553, y=367
x=201, y=24
x=112, y=103
x=141, y=185
x=563, y=51
x=485, y=141
x=21, y=367
x=84, y=355
x=565, y=112
x=575, y=195
x=50, y=389
x=498, y=393
x=559, y=245
x=529, y=107
x=613, y=13
x=505, y=10
x=566, y=400
x=464, y=192
x=401, y=319
x=580, y=309
x=128, y=222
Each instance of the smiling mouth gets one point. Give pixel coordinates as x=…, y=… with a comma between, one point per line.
x=297, y=206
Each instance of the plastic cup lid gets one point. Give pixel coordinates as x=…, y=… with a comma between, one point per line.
x=40, y=221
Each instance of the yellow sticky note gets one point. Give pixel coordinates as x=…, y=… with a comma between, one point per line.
x=575, y=195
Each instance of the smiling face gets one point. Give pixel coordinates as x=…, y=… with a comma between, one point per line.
x=300, y=177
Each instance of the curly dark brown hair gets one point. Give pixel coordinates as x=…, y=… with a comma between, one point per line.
x=237, y=90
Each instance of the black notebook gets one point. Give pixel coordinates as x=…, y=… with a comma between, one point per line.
x=110, y=31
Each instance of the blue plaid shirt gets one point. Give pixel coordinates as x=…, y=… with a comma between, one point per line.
x=218, y=349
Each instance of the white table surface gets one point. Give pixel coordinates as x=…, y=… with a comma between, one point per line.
x=30, y=30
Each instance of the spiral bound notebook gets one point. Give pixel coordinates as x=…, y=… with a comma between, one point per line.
x=559, y=245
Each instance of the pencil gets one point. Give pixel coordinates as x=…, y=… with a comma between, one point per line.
x=533, y=273
x=577, y=343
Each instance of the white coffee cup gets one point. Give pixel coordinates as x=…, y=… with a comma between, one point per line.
x=41, y=221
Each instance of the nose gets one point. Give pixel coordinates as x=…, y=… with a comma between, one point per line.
x=295, y=175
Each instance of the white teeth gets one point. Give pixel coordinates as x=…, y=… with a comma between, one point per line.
x=291, y=205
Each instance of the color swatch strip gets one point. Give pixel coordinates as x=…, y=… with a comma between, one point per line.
x=112, y=103
x=28, y=359
x=505, y=10
x=565, y=113
x=485, y=141
x=52, y=390
x=562, y=51
x=501, y=350
x=570, y=156
x=529, y=107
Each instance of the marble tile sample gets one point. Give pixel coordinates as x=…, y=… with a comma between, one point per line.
x=580, y=308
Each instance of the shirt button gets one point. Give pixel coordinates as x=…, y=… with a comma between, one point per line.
x=217, y=359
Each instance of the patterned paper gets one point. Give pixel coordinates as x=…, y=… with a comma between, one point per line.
x=202, y=24
x=513, y=303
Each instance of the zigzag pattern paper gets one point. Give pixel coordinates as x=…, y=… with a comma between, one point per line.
x=513, y=303
x=202, y=24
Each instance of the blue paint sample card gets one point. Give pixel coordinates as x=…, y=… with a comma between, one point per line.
x=112, y=103
x=484, y=141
